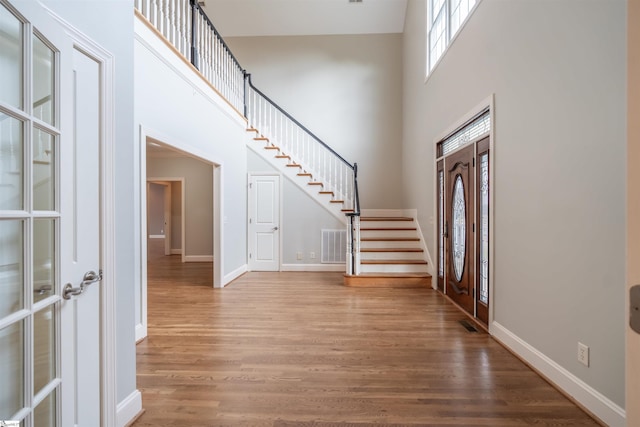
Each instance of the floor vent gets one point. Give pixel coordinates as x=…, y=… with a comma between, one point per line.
x=334, y=246
x=468, y=326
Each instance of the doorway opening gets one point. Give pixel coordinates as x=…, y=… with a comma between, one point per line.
x=463, y=173
x=180, y=228
x=165, y=217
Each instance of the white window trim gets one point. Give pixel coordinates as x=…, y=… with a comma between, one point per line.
x=452, y=39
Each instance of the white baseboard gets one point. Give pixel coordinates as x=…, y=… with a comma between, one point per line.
x=228, y=278
x=141, y=332
x=176, y=251
x=313, y=267
x=198, y=258
x=156, y=236
x=603, y=408
x=129, y=408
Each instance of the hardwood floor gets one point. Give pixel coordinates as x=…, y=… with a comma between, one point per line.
x=301, y=349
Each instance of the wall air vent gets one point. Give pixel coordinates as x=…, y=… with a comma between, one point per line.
x=355, y=1
x=334, y=246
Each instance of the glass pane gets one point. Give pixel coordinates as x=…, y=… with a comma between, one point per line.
x=10, y=58
x=43, y=171
x=11, y=370
x=470, y=132
x=43, y=258
x=441, y=223
x=484, y=228
x=43, y=75
x=11, y=168
x=45, y=413
x=11, y=267
x=459, y=228
x=44, y=361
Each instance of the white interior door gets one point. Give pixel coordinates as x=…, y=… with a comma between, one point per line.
x=49, y=224
x=264, y=222
x=81, y=255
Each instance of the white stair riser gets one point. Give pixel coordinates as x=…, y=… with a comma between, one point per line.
x=388, y=224
x=393, y=268
x=387, y=233
x=392, y=255
x=394, y=244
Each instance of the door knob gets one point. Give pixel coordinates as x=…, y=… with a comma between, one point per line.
x=89, y=277
x=274, y=228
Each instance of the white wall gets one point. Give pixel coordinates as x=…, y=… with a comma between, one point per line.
x=155, y=209
x=176, y=216
x=177, y=108
x=198, y=181
x=345, y=89
x=303, y=219
x=557, y=70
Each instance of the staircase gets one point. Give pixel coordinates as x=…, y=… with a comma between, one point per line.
x=304, y=178
x=392, y=253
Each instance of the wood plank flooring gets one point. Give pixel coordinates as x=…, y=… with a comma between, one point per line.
x=301, y=349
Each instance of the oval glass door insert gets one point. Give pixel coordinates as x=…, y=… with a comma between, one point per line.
x=459, y=228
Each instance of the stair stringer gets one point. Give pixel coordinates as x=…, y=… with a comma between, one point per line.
x=291, y=173
x=413, y=213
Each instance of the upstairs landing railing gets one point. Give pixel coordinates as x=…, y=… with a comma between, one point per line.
x=185, y=25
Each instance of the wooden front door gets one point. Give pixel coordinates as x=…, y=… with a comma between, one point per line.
x=459, y=211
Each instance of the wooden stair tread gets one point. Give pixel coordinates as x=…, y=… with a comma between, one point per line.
x=252, y=130
x=384, y=218
x=315, y=183
x=261, y=138
x=392, y=261
x=336, y=201
x=271, y=147
x=389, y=239
x=283, y=156
x=326, y=192
x=388, y=229
x=304, y=174
x=293, y=165
x=394, y=275
x=391, y=249
x=389, y=280
x=348, y=210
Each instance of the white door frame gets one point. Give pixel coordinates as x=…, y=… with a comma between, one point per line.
x=108, y=392
x=169, y=181
x=250, y=248
x=633, y=209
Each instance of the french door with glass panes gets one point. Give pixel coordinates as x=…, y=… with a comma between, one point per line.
x=49, y=224
x=463, y=217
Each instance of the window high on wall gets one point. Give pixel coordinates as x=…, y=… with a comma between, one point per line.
x=444, y=20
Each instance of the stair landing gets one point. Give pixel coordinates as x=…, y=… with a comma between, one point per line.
x=389, y=280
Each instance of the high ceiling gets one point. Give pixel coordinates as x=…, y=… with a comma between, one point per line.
x=238, y=18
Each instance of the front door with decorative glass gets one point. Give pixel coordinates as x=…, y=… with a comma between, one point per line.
x=463, y=201
x=460, y=284
x=50, y=240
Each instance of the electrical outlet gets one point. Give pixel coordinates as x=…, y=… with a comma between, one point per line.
x=312, y=255
x=583, y=354
x=299, y=256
